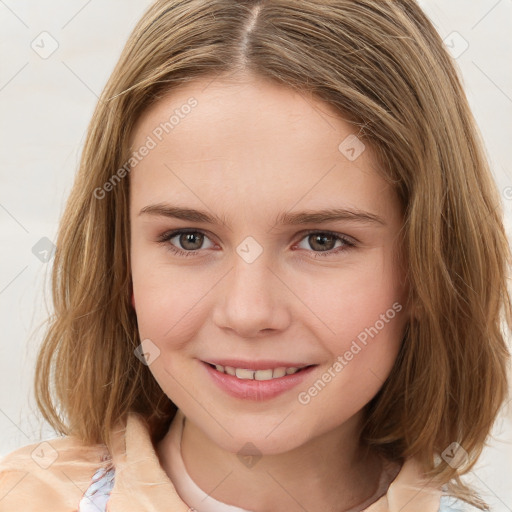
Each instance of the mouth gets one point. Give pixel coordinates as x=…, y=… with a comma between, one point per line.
x=259, y=374
x=253, y=384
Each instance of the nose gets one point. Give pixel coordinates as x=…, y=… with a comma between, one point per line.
x=252, y=301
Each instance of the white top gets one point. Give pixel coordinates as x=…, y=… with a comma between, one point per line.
x=200, y=501
x=138, y=482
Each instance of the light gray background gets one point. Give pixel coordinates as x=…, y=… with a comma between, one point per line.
x=46, y=104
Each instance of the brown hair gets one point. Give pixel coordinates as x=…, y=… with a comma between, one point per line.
x=382, y=65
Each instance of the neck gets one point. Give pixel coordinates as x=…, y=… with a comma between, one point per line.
x=329, y=472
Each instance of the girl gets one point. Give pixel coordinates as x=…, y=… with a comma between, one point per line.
x=270, y=288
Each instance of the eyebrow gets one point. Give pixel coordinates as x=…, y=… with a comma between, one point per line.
x=284, y=218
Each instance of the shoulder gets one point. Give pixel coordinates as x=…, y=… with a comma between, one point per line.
x=411, y=489
x=49, y=475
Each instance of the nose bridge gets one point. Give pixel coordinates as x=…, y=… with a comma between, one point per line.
x=252, y=297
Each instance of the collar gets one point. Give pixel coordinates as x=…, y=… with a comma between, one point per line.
x=142, y=484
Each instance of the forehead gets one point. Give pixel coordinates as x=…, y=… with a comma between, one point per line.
x=254, y=143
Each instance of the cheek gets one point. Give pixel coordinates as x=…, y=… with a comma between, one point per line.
x=363, y=319
x=168, y=299
x=354, y=299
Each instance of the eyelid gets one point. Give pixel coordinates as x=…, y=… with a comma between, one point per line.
x=347, y=238
x=167, y=235
x=350, y=242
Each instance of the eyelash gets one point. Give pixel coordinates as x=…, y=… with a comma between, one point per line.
x=166, y=237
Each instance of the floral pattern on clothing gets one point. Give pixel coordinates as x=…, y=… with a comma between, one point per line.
x=96, y=497
x=451, y=504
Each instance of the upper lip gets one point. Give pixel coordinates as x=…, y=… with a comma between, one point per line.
x=256, y=365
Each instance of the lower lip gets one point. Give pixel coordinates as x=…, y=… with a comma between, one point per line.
x=258, y=390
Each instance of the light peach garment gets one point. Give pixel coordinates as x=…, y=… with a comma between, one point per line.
x=53, y=476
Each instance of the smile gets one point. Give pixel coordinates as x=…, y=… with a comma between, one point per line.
x=256, y=385
x=248, y=374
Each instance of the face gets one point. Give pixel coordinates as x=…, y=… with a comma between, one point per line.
x=253, y=278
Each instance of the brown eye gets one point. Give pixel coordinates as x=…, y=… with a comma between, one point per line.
x=184, y=242
x=322, y=242
x=191, y=241
x=325, y=243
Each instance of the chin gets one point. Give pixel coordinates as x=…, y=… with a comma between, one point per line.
x=266, y=440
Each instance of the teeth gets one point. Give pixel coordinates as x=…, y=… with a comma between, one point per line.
x=246, y=374
x=229, y=370
x=280, y=372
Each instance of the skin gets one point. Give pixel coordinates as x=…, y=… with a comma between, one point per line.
x=248, y=151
